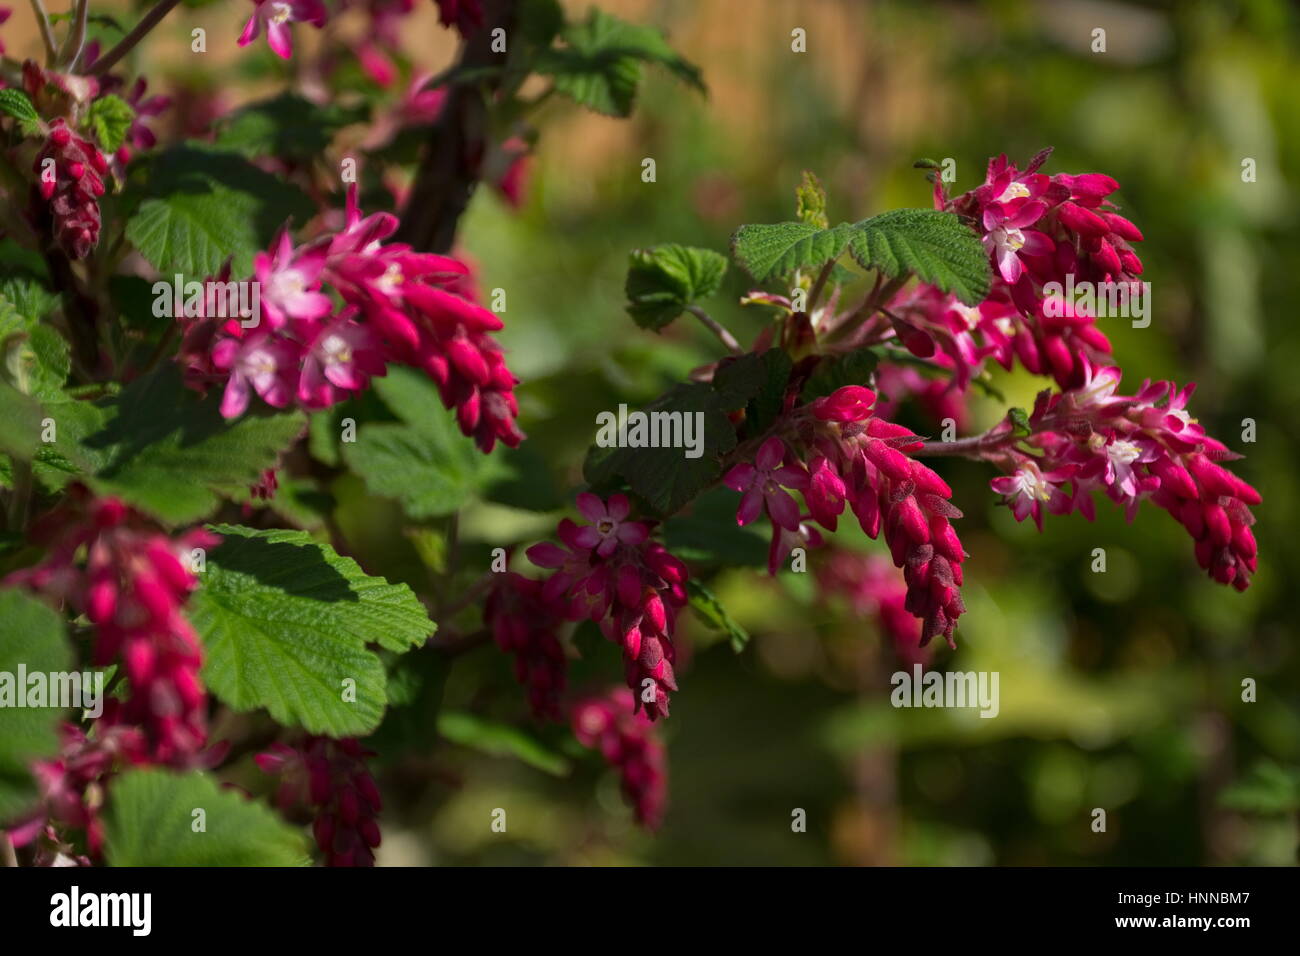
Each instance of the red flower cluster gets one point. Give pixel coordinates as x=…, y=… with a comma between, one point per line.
x=1038, y=229
x=69, y=173
x=611, y=572
x=72, y=792
x=628, y=742
x=399, y=307
x=524, y=624
x=835, y=451
x=132, y=586
x=330, y=776
x=1131, y=448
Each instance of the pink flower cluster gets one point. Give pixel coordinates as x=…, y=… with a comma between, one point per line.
x=330, y=777
x=132, y=587
x=398, y=307
x=628, y=742
x=71, y=187
x=523, y=623
x=612, y=572
x=1038, y=230
x=72, y=786
x=834, y=452
x=874, y=589
x=1134, y=447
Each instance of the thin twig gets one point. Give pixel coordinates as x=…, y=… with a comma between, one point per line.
x=47, y=32
x=128, y=42
x=714, y=326
x=818, y=284
x=76, y=38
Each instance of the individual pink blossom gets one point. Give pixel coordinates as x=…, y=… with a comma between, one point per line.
x=340, y=361
x=1029, y=489
x=609, y=525
x=261, y=363
x=275, y=16
x=761, y=484
x=289, y=283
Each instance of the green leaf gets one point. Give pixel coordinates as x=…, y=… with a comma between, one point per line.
x=810, y=201
x=705, y=603
x=109, y=118
x=169, y=452
x=1268, y=789
x=199, y=207
x=424, y=461
x=1019, y=420
x=599, y=65
x=14, y=102
x=31, y=635
x=766, y=251
x=665, y=478
x=150, y=820
x=500, y=740
x=933, y=245
x=285, y=621
x=286, y=126
x=33, y=356
x=708, y=534
x=756, y=382
x=664, y=280
x=835, y=371
x=20, y=423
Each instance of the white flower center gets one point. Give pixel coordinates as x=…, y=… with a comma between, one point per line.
x=280, y=12
x=1123, y=452
x=970, y=315
x=1013, y=191
x=336, y=351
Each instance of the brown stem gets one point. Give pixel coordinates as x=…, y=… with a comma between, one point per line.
x=453, y=161
x=128, y=42
x=47, y=32
x=717, y=328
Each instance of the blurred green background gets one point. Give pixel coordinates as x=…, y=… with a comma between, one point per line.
x=1119, y=690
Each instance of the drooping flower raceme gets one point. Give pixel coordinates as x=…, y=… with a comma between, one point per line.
x=1133, y=448
x=399, y=307
x=628, y=742
x=132, y=585
x=858, y=459
x=612, y=572
x=329, y=779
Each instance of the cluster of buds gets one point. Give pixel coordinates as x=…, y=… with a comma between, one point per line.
x=400, y=306
x=329, y=777
x=836, y=452
x=72, y=793
x=611, y=572
x=873, y=588
x=69, y=173
x=1133, y=447
x=132, y=585
x=628, y=742
x=524, y=624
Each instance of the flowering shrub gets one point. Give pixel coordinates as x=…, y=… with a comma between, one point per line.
x=202, y=331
